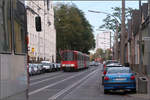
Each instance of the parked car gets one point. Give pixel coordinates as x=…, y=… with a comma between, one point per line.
x=31, y=70
x=109, y=62
x=59, y=66
x=93, y=63
x=54, y=66
x=119, y=78
x=104, y=71
x=46, y=66
x=36, y=69
x=41, y=68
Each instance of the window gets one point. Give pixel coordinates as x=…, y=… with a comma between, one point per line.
x=119, y=70
x=5, y=27
x=68, y=56
x=19, y=28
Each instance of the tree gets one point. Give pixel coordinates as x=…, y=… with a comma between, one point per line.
x=110, y=22
x=99, y=54
x=73, y=31
x=103, y=54
x=108, y=54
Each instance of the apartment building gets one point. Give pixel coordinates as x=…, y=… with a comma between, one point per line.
x=103, y=40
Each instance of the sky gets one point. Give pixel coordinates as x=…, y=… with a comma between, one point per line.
x=96, y=19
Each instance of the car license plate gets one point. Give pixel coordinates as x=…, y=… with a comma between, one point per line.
x=120, y=79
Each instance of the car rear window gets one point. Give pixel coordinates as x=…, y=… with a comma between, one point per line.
x=109, y=62
x=113, y=71
x=115, y=66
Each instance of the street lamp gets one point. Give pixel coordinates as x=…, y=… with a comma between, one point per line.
x=117, y=27
x=93, y=11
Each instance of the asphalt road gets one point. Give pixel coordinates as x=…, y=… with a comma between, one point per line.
x=81, y=85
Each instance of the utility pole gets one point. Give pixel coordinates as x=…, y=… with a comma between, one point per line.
x=116, y=56
x=110, y=40
x=122, y=33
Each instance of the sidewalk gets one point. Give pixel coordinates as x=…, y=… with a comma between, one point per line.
x=144, y=96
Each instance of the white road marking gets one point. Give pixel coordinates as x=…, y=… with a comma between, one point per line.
x=71, y=86
x=51, y=85
x=80, y=85
x=45, y=80
x=43, y=77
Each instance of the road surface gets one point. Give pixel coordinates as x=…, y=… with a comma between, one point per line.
x=81, y=85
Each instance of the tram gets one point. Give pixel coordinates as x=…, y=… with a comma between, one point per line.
x=74, y=60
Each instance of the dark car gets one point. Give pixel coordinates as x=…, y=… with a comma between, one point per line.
x=119, y=78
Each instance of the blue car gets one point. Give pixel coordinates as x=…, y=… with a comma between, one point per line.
x=119, y=78
x=109, y=66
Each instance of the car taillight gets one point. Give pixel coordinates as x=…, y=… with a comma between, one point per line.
x=106, y=78
x=104, y=72
x=132, y=77
x=104, y=66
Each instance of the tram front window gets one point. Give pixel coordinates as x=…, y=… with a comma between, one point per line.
x=5, y=27
x=68, y=56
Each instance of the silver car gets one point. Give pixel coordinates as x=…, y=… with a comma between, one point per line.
x=31, y=70
x=36, y=69
x=47, y=67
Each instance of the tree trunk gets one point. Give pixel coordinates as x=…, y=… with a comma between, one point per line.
x=123, y=33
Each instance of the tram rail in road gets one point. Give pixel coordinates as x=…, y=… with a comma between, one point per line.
x=38, y=82
x=58, y=82
x=71, y=86
x=45, y=76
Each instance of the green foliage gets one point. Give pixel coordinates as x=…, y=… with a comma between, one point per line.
x=73, y=30
x=108, y=54
x=100, y=53
x=110, y=21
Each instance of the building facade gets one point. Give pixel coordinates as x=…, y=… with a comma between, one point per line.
x=42, y=45
x=103, y=40
x=139, y=41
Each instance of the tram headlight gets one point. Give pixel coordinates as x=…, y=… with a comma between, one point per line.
x=72, y=65
x=63, y=65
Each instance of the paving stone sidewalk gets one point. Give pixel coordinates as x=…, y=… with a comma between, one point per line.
x=139, y=95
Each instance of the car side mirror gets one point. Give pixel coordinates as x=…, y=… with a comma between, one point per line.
x=38, y=23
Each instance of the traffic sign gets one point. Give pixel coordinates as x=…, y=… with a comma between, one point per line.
x=33, y=49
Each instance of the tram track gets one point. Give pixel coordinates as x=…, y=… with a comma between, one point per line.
x=68, y=77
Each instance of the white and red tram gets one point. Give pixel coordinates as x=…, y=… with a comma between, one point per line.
x=74, y=60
